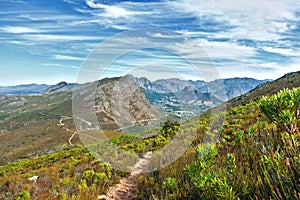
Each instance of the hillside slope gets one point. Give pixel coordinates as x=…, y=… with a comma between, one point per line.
x=30, y=125
x=256, y=156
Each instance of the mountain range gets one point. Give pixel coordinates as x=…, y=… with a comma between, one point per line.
x=29, y=124
x=228, y=88
x=250, y=148
x=23, y=89
x=231, y=87
x=225, y=88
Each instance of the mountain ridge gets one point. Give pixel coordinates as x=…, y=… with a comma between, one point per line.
x=23, y=89
x=227, y=88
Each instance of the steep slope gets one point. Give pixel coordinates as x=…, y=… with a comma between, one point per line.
x=119, y=103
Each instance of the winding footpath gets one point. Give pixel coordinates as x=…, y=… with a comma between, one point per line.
x=62, y=124
x=127, y=186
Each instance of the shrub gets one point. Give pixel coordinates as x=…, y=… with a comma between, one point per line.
x=23, y=195
x=283, y=109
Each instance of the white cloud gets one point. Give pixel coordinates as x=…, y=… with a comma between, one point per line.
x=252, y=19
x=202, y=48
x=18, y=42
x=59, y=65
x=285, y=52
x=267, y=9
x=16, y=1
x=64, y=57
x=111, y=11
x=19, y=29
x=163, y=35
x=258, y=69
x=70, y=2
x=59, y=38
x=49, y=16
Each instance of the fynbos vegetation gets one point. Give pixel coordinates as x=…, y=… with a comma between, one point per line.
x=255, y=157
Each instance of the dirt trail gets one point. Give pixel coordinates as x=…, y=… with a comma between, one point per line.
x=60, y=123
x=127, y=186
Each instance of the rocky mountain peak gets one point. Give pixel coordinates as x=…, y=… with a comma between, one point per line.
x=119, y=103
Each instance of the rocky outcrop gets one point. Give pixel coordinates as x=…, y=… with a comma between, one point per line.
x=119, y=103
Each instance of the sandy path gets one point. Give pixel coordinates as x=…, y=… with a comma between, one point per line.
x=127, y=186
x=61, y=123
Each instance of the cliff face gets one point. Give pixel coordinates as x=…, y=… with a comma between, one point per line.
x=119, y=102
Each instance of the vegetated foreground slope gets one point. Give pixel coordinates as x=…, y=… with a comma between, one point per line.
x=70, y=173
x=76, y=172
x=256, y=156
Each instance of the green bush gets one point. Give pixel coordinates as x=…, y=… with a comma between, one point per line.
x=283, y=109
x=23, y=195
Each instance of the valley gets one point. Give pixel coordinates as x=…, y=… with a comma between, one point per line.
x=149, y=100
x=30, y=124
x=39, y=139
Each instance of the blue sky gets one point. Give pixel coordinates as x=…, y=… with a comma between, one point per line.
x=48, y=41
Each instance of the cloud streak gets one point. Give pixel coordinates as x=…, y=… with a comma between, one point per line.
x=19, y=29
x=64, y=57
x=59, y=38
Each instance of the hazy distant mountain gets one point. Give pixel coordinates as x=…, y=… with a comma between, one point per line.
x=233, y=87
x=290, y=80
x=23, y=89
x=224, y=88
x=189, y=93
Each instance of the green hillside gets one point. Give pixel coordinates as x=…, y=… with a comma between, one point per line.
x=256, y=157
x=29, y=125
